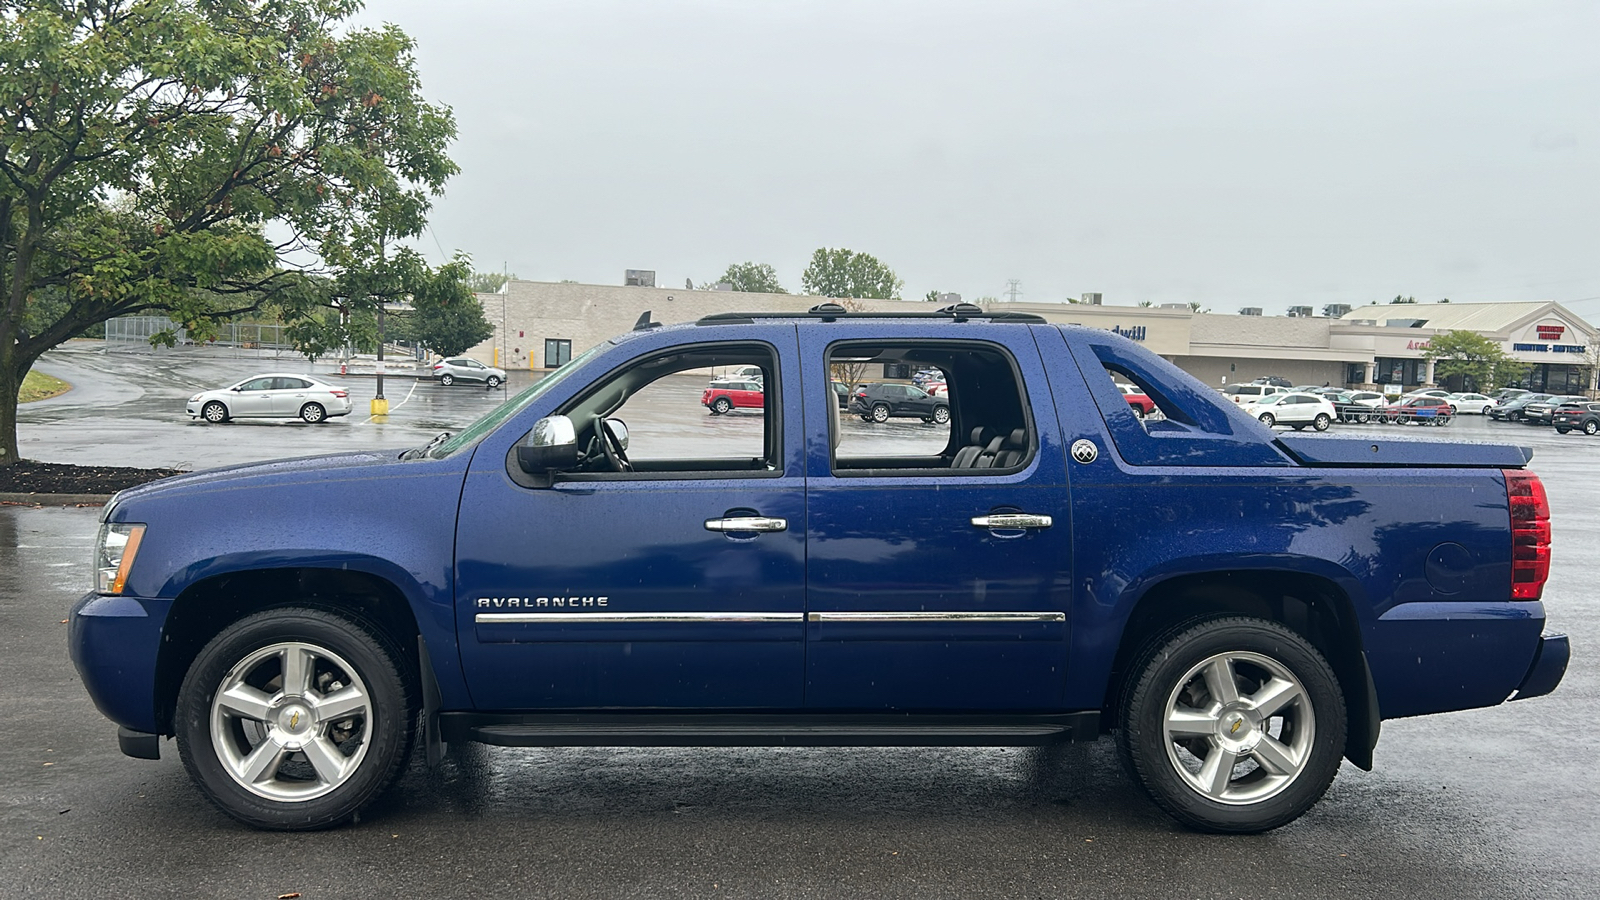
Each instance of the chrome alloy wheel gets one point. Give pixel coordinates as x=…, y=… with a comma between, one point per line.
x=290, y=722
x=1239, y=728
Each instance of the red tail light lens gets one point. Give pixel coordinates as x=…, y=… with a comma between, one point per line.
x=341, y=394
x=1530, y=534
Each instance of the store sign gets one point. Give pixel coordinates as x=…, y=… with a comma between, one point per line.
x=1550, y=332
x=1132, y=333
x=1549, y=348
x=1418, y=345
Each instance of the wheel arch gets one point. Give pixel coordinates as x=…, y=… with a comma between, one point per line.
x=207, y=606
x=1312, y=605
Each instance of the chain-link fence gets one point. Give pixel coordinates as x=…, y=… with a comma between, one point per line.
x=135, y=332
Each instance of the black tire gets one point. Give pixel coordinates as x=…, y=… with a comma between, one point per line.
x=880, y=413
x=447, y=379
x=341, y=655
x=1138, y=411
x=1172, y=671
x=493, y=381
x=1321, y=422
x=1562, y=429
x=1298, y=427
x=1267, y=419
x=1591, y=427
x=941, y=415
x=214, y=412
x=720, y=406
x=313, y=413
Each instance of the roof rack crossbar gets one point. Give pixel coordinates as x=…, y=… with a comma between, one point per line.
x=830, y=312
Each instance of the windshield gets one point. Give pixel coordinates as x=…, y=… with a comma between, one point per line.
x=1268, y=401
x=494, y=418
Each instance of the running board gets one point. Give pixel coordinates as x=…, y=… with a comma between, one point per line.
x=767, y=729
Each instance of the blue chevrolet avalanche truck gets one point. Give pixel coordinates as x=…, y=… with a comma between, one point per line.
x=1239, y=608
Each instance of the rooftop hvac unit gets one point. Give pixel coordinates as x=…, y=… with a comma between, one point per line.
x=1250, y=311
x=1336, y=310
x=1303, y=312
x=948, y=299
x=722, y=286
x=639, y=278
x=1092, y=299
x=1174, y=306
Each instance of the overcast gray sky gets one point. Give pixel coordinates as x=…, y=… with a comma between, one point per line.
x=1235, y=153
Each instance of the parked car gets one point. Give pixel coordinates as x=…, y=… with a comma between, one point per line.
x=1238, y=609
x=274, y=395
x=884, y=401
x=723, y=396
x=1471, y=404
x=1274, y=380
x=841, y=391
x=1295, y=409
x=1441, y=393
x=1511, y=410
x=1358, y=407
x=1540, y=412
x=465, y=368
x=1420, y=410
x=745, y=373
x=1504, y=394
x=1137, y=399
x=1250, y=393
x=1584, y=417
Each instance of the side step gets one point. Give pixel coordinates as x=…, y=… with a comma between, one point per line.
x=767, y=729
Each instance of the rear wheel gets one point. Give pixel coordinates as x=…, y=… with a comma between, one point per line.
x=1321, y=422
x=721, y=405
x=1232, y=725
x=295, y=718
x=447, y=379
x=313, y=413
x=1562, y=429
x=880, y=413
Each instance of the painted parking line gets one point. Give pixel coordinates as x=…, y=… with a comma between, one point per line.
x=400, y=404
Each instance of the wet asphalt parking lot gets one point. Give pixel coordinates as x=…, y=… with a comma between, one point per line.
x=1500, y=802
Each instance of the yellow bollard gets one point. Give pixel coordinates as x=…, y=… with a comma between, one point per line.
x=380, y=406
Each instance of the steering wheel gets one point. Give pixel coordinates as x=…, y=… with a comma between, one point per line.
x=616, y=457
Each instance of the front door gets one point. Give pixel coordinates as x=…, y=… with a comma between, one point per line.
x=933, y=587
x=679, y=584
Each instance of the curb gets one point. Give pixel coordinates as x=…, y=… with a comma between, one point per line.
x=54, y=499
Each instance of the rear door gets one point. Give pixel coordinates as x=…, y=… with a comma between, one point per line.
x=926, y=589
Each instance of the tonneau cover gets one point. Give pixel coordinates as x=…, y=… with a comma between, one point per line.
x=1392, y=452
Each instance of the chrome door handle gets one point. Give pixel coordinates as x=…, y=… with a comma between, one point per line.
x=1011, y=521
x=747, y=523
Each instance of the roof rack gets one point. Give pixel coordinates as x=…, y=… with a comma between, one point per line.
x=831, y=312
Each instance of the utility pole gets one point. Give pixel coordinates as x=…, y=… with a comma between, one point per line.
x=1013, y=289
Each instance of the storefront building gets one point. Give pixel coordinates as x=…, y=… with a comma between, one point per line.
x=541, y=325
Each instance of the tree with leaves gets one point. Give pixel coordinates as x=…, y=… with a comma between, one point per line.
x=1482, y=363
x=846, y=273
x=750, y=277
x=148, y=148
x=488, y=283
x=449, y=326
x=1400, y=298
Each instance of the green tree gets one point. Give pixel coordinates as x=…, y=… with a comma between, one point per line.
x=149, y=147
x=487, y=283
x=931, y=296
x=1402, y=299
x=845, y=273
x=446, y=321
x=1480, y=360
x=750, y=277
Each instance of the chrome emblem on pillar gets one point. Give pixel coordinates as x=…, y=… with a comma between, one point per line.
x=1084, y=451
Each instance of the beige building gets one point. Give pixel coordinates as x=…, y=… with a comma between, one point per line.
x=540, y=325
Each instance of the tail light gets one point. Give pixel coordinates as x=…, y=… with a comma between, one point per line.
x=1530, y=534
x=438, y=366
x=341, y=393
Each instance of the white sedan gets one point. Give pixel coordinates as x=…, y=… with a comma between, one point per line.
x=274, y=395
x=1296, y=409
x=1472, y=404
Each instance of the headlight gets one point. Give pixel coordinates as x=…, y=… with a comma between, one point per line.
x=195, y=398
x=114, y=551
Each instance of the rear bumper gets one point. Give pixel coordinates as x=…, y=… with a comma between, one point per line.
x=1548, y=667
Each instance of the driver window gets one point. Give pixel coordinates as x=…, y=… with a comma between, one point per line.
x=257, y=384
x=682, y=414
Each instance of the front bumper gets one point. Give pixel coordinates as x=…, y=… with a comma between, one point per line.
x=1548, y=667
x=115, y=643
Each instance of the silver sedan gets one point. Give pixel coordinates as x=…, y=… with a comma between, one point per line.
x=274, y=395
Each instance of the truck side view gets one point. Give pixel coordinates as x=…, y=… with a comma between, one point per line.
x=1239, y=609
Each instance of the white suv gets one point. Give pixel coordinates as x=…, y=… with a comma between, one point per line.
x=1296, y=409
x=1244, y=394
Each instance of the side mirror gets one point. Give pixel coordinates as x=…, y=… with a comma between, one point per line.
x=552, y=445
x=618, y=430
x=236, y=388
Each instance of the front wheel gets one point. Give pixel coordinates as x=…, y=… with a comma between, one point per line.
x=313, y=413
x=1267, y=419
x=214, y=412
x=1321, y=422
x=941, y=415
x=493, y=382
x=1232, y=725
x=295, y=718
x=1590, y=427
